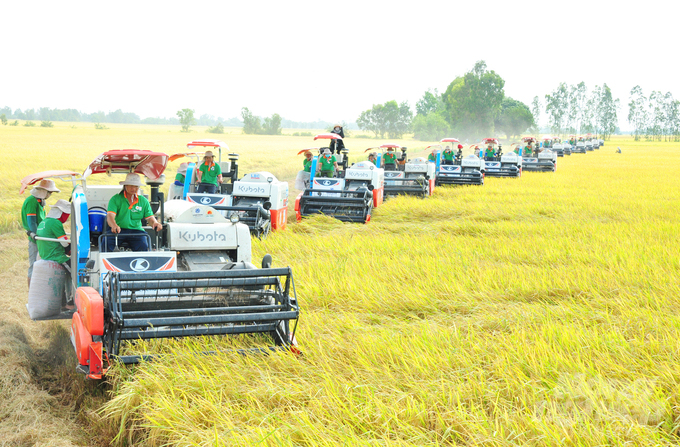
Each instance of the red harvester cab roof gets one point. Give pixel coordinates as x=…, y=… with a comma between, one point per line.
x=148, y=163
x=449, y=140
x=206, y=143
x=490, y=140
x=37, y=177
x=328, y=136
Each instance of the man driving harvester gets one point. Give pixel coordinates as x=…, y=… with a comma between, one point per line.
x=125, y=213
x=390, y=160
x=328, y=164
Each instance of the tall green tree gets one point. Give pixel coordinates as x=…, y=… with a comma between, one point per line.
x=272, y=125
x=473, y=101
x=3, y=119
x=390, y=118
x=536, y=112
x=637, y=111
x=556, y=107
x=186, y=118
x=607, y=119
x=429, y=103
x=515, y=118
x=251, y=123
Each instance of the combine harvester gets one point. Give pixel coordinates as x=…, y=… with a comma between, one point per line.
x=554, y=144
x=259, y=199
x=412, y=177
x=541, y=160
x=500, y=164
x=580, y=147
x=465, y=171
x=198, y=280
x=350, y=196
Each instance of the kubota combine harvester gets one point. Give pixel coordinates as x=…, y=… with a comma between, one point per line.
x=349, y=197
x=554, y=144
x=411, y=177
x=259, y=198
x=499, y=164
x=464, y=171
x=198, y=279
x=541, y=160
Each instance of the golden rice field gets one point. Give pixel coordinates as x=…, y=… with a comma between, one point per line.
x=539, y=311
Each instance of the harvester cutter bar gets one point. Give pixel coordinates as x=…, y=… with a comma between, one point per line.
x=153, y=305
x=132, y=359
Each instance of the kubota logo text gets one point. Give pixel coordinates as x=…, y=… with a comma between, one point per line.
x=198, y=236
x=250, y=189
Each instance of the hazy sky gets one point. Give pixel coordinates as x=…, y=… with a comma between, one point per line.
x=309, y=60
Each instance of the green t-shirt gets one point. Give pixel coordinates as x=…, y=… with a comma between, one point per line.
x=431, y=157
x=448, y=155
x=129, y=216
x=390, y=157
x=327, y=163
x=375, y=162
x=32, y=207
x=489, y=152
x=210, y=173
x=51, y=251
x=307, y=165
x=180, y=178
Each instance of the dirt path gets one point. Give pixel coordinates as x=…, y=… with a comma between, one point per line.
x=44, y=402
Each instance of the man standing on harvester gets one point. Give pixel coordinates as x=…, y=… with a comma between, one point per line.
x=209, y=174
x=32, y=214
x=307, y=162
x=328, y=164
x=125, y=213
x=337, y=145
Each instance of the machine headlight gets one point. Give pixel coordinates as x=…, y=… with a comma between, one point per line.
x=234, y=218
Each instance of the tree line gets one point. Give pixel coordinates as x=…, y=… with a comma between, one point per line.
x=655, y=117
x=473, y=106
x=572, y=109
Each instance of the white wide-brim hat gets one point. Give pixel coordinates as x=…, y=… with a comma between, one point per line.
x=56, y=210
x=326, y=152
x=48, y=185
x=132, y=179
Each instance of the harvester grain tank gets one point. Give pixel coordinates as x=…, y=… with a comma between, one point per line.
x=412, y=177
x=499, y=164
x=259, y=198
x=350, y=198
x=465, y=170
x=197, y=280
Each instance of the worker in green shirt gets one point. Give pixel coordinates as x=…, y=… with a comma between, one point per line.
x=489, y=153
x=433, y=156
x=390, y=159
x=177, y=188
x=373, y=158
x=447, y=156
x=58, y=248
x=328, y=164
x=32, y=213
x=209, y=174
x=124, y=216
x=307, y=162
x=53, y=228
